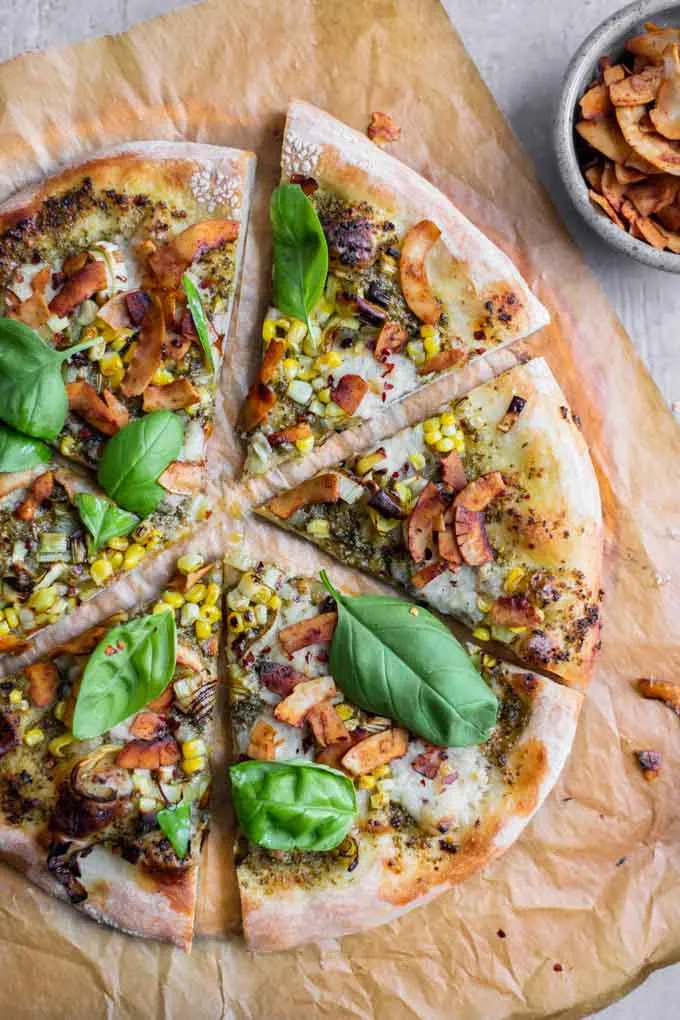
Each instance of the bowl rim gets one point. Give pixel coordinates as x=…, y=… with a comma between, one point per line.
x=609, y=31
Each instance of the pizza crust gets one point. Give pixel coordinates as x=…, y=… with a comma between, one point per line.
x=386, y=883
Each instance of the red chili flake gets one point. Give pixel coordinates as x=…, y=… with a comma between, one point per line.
x=383, y=397
x=388, y=386
x=322, y=657
x=478, y=334
x=395, y=474
x=557, y=967
x=501, y=933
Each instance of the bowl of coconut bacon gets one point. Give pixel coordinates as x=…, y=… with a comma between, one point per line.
x=617, y=132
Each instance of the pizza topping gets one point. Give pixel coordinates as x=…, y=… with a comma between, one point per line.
x=383, y=129
x=98, y=778
x=149, y=754
x=102, y=411
x=43, y=683
x=40, y=491
x=82, y=285
x=453, y=471
x=175, y=396
x=308, y=184
x=258, y=403
x=662, y=690
x=9, y=733
x=324, y=488
x=183, y=477
x=442, y=361
x=422, y=577
x=146, y=725
x=115, y=313
x=138, y=303
x=386, y=505
x=483, y=490
x=378, y=749
x=147, y=356
x=391, y=340
x=650, y=763
x=515, y=408
x=447, y=544
x=294, y=708
x=279, y=677
x=471, y=536
x=292, y=434
x=414, y=282
x=327, y=726
x=273, y=357
x=349, y=392
x=351, y=240
x=312, y=631
x=264, y=741
x=370, y=313
x=170, y=261
x=189, y=657
x=421, y=522
x=429, y=762
x=514, y=611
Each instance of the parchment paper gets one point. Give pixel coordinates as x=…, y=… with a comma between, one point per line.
x=589, y=899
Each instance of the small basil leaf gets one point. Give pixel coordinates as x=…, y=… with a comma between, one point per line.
x=19, y=452
x=175, y=823
x=103, y=519
x=130, y=666
x=134, y=458
x=300, y=252
x=293, y=805
x=199, y=318
x=32, y=392
x=398, y=660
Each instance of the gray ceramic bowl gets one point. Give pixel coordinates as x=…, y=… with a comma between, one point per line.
x=607, y=39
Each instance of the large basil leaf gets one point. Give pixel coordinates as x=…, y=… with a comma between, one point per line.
x=199, y=319
x=293, y=805
x=400, y=661
x=300, y=252
x=130, y=666
x=134, y=458
x=19, y=452
x=103, y=519
x=175, y=823
x=32, y=392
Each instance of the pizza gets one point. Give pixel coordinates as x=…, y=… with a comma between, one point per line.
x=488, y=511
x=397, y=288
x=401, y=819
x=104, y=768
x=131, y=262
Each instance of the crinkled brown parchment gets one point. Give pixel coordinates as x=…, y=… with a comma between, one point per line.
x=589, y=898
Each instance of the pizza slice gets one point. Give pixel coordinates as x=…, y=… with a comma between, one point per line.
x=349, y=817
x=488, y=511
x=104, y=774
x=380, y=286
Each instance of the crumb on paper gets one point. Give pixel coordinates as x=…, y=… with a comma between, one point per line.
x=501, y=934
x=558, y=968
x=650, y=763
x=661, y=579
x=383, y=129
x=661, y=690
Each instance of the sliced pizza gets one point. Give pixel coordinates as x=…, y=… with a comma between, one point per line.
x=348, y=817
x=380, y=285
x=104, y=773
x=488, y=511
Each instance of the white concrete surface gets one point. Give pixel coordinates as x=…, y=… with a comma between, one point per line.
x=521, y=48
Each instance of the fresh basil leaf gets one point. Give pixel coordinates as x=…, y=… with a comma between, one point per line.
x=19, y=452
x=32, y=392
x=175, y=823
x=130, y=666
x=103, y=519
x=199, y=317
x=300, y=252
x=136, y=456
x=293, y=805
x=398, y=660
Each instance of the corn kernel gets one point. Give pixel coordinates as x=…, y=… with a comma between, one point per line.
x=33, y=736
x=111, y=364
x=431, y=425
x=405, y=493
x=58, y=608
x=483, y=604
x=306, y=375
x=173, y=598
x=118, y=344
x=133, y=556
x=119, y=543
x=318, y=528
x=291, y=367
x=212, y=594
x=367, y=463
x=4, y=627
x=305, y=445
x=161, y=607
x=23, y=705
x=212, y=614
x=448, y=418
x=432, y=345
x=100, y=571
x=344, y=711
x=274, y=603
x=482, y=633
x=427, y=331
x=42, y=599
x=15, y=696
x=296, y=333
x=329, y=361
x=283, y=325
x=130, y=353
x=60, y=710
x=236, y=623
x=191, y=765
x=97, y=350
x=89, y=333
x=382, y=772
x=432, y=438
x=324, y=395
x=268, y=330
x=203, y=630
x=116, y=559
x=417, y=461
x=57, y=745
x=189, y=562
x=162, y=377
x=366, y=783
x=518, y=630
x=379, y=800
x=513, y=580
x=445, y=445
x=67, y=445
x=194, y=748
x=190, y=613
x=415, y=351
x=488, y=661
x=459, y=443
